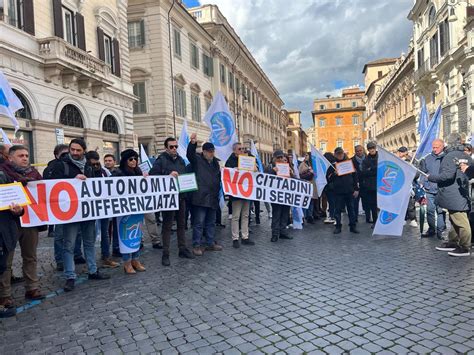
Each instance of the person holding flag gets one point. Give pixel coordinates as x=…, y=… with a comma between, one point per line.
x=368, y=184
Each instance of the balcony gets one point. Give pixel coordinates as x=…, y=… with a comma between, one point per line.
x=72, y=67
x=422, y=70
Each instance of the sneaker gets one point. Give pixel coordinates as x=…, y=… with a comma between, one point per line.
x=69, y=286
x=270, y=215
x=236, y=244
x=98, y=276
x=230, y=216
x=428, y=234
x=79, y=260
x=413, y=223
x=447, y=246
x=247, y=242
x=328, y=220
x=197, y=251
x=460, y=251
x=7, y=312
x=109, y=263
x=7, y=302
x=165, y=260
x=185, y=254
x=34, y=295
x=157, y=246
x=214, y=247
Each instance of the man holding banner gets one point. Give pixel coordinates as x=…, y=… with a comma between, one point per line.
x=170, y=163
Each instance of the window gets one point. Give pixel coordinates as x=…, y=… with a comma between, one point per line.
x=69, y=26
x=180, y=100
x=253, y=99
x=70, y=116
x=323, y=146
x=379, y=74
x=338, y=121
x=15, y=13
x=340, y=143
x=338, y=105
x=354, y=104
x=237, y=86
x=356, y=142
x=431, y=16
x=434, y=50
x=322, y=107
x=355, y=120
x=443, y=37
x=222, y=74
x=136, y=34
x=140, y=105
x=110, y=124
x=196, y=107
x=194, y=56
x=231, y=80
x=25, y=112
x=108, y=51
x=207, y=65
x=421, y=57
x=322, y=122
x=177, y=42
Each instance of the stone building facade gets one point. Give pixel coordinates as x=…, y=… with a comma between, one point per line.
x=68, y=62
x=296, y=136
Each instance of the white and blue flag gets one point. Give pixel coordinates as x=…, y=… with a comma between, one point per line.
x=391, y=223
x=320, y=167
x=9, y=102
x=223, y=133
x=394, y=182
x=5, y=138
x=145, y=165
x=254, y=152
x=431, y=133
x=297, y=211
x=424, y=118
x=183, y=142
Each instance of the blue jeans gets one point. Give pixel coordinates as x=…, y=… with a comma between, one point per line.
x=103, y=225
x=115, y=241
x=308, y=212
x=59, y=242
x=132, y=256
x=204, y=222
x=70, y=231
x=435, y=215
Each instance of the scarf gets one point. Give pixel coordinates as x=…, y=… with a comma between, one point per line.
x=22, y=171
x=79, y=163
x=359, y=160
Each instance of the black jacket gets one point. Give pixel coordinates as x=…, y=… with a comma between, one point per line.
x=341, y=185
x=64, y=168
x=368, y=173
x=232, y=161
x=453, y=184
x=208, y=177
x=165, y=164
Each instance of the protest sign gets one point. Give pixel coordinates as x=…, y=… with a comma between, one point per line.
x=266, y=187
x=187, y=182
x=74, y=200
x=247, y=163
x=345, y=167
x=283, y=169
x=12, y=193
x=130, y=232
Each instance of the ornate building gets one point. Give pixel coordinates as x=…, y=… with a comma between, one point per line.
x=296, y=136
x=338, y=121
x=394, y=105
x=68, y=62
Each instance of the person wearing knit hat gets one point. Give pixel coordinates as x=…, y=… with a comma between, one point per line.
x=129, y=167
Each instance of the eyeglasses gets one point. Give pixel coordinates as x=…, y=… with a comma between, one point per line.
x=96, y=164
x=132, y=159
x=280, y=157
x=240, y=149
x=173, y=147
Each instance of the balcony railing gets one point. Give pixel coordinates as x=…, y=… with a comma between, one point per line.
x=422, y=70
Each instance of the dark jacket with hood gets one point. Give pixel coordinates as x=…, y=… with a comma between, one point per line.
x=368, y=173
x=430, y=164
x=64, y=168
x=208, y=177
x=341, y=185
x=453, y=184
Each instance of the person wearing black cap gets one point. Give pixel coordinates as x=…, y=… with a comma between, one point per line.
x=402, y=153
x=205, y=200
x=368, y=183
x=170, y=163
x=280, y=213
x=345, y=189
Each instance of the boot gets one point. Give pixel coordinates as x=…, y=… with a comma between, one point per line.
x=138, y=266
x=354, y=230
x=337, y=230
x=128, y=268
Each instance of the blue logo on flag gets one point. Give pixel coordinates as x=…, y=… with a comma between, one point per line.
x=3, y=99
x=387, y=217
x=222, y=129
x=390, y=178
x=131, y=231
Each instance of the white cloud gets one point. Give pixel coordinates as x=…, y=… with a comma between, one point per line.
x=305, y=46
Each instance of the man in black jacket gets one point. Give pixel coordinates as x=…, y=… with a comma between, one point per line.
x=345, y=190
x=73, y=166
x=453, y=195
x=357, y=160
x=170, y=163
x=368, y=183
x=205, y=200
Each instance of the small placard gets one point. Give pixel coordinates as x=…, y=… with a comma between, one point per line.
x=145, y=167
x=187, y=182
x=13, y=193
x=283, y=169
x=345, y=167
x=246, y=163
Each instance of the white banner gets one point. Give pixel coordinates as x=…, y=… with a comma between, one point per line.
x=74, y=200
x=257, y=186
x=394, y=181
x=391, y=223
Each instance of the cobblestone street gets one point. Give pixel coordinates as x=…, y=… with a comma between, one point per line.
x=318, y=293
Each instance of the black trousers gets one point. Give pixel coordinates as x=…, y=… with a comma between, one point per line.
x=369, y=203
x=344, y=201
x=279, y=219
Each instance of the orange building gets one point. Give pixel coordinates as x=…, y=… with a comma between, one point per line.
x=339, y=121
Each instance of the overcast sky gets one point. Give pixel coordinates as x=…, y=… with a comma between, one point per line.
x=311, y=48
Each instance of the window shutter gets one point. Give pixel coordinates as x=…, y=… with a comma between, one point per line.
x=116, y=48
x=142, y=32
x=58, y=18
x=100, y=42
x=29, y=17
x=81, y=34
